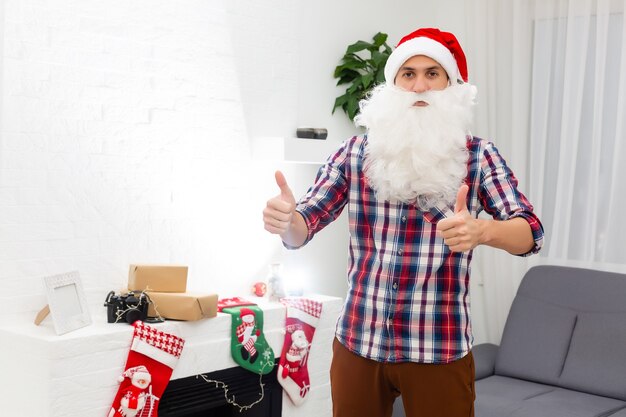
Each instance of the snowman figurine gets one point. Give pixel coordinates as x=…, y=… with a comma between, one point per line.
x=296, y=354
x=137, y=391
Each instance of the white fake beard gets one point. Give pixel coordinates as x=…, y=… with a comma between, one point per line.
x=415, y=154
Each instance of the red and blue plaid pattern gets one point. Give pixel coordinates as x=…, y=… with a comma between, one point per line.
x=408, y=294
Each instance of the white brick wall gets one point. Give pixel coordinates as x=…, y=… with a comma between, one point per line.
x=124, y=139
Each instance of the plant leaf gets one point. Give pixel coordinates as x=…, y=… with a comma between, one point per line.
x=342, y=72
x=340, y=101
x=367, y=80
x=358, y=46
x=379, y=39
x=352, y=107
x=378, y=58
x=345, y=80
x=353, y=65
x=354, y=87
x=352, y=57
x=380, y=75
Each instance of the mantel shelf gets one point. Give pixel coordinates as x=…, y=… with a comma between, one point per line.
x=294, y=150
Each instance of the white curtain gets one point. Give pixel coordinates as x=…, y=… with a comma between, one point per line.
x=552, y=84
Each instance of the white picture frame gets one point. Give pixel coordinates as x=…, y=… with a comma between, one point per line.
x=67, y=302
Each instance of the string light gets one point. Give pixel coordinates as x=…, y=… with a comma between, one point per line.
x=232, y=400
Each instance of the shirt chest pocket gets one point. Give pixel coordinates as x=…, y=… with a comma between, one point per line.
x=437, y=213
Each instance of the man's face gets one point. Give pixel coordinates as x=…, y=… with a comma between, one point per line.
x=416, y=149
x=419, y=74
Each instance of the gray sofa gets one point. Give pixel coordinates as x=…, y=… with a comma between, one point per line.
x=563, y=349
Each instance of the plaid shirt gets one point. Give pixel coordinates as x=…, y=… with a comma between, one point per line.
x=408, y=294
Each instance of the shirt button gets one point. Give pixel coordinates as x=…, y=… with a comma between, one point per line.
x=395, y=285
x=400, y=251
x=403, y=219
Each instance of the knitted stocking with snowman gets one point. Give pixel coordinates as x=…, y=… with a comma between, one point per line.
x=249, y=348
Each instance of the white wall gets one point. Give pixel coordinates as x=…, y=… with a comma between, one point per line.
x=124, y=140
x=125, y=133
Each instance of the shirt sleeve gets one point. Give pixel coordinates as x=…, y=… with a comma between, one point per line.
x=500, y=197
x=325, y=200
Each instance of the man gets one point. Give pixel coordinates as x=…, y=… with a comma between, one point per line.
x=414, y=185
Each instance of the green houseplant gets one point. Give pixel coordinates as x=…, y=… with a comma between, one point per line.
x=361, y=72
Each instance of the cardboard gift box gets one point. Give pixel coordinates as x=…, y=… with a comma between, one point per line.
x=162, y=278
x=182, y=306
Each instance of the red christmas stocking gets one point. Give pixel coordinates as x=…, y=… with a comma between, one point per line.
x=151, y=360
x=293, y=374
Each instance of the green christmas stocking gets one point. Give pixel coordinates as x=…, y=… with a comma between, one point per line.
x=248, y=345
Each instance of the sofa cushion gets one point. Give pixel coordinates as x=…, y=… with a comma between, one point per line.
x=535, y=340
x=576, y=288
x=498, y=396
x=620, y=413
x=596, y=362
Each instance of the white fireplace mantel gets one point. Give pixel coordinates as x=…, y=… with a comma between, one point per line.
x=75, y=374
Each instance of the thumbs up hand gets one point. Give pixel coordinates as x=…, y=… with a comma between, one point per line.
x=278, y=213
x=460, y=232
x=461, y=199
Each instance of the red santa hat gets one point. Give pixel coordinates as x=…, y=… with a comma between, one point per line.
x=246, y=312
x=443, y=47
x=136, y=370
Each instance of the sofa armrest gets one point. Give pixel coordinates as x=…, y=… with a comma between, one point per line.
x=484, y=359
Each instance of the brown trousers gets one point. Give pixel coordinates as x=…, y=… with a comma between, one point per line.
x=366, y=388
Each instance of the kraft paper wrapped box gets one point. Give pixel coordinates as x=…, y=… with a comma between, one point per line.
x=182, y=306
x=161, y=278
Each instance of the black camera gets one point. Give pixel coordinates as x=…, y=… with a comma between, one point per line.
x=127, y=308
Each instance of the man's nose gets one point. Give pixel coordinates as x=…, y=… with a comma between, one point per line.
x=420, y=85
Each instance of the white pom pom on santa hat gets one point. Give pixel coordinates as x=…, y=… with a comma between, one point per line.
x=443, y=47
x=136, y=370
